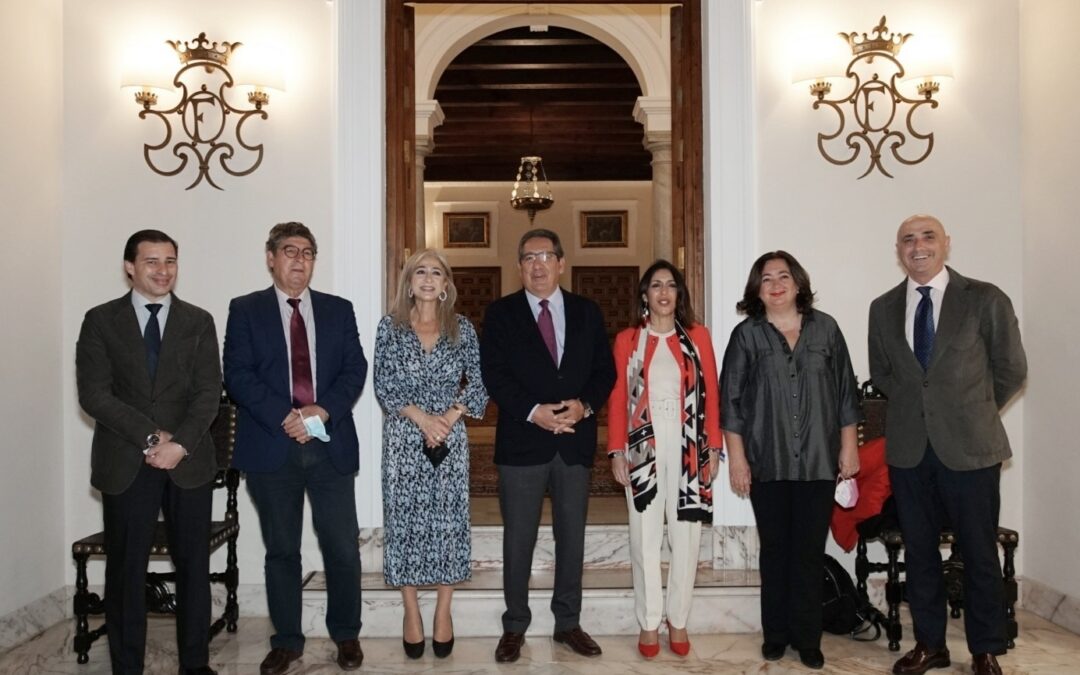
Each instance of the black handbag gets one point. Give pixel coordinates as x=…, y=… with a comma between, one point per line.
x=436, y=454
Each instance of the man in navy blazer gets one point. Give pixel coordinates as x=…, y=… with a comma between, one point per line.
x=295, y=368
x=946, y=350
x=547, y=363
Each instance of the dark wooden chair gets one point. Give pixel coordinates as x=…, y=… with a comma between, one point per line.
x=158, y=596
x=884, y=527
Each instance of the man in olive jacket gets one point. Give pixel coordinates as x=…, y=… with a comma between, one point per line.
x=946, y=351
x=148, y=374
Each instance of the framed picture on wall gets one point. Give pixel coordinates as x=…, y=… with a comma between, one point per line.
x=603, y=229
x=466, y=230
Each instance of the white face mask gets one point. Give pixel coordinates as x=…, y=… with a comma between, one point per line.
x=847, y=492
x=316, y=428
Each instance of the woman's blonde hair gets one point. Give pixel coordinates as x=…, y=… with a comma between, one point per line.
x=401, y=311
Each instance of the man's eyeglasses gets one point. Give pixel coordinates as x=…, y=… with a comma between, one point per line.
x=539, y=256
x=291, y=251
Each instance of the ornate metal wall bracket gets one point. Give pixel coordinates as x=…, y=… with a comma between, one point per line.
x=876, y=105
x=212, y=127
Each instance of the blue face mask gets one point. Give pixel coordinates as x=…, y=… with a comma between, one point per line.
x=316, y=428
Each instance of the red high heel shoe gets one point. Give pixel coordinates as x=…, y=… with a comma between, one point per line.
x=680, y=648
x=649, y=651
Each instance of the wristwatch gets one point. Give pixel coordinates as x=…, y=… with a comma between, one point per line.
x=152, y=440
x=588, y=409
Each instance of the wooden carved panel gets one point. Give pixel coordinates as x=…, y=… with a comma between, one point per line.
x=476, y=288
x=614, y=288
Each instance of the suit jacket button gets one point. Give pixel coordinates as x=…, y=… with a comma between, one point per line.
x=926, y=383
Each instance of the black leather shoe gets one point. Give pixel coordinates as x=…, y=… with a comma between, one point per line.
x=773, y=651
x=277, y=661
x=985, y=664
x=812, y=658
x=201, y=670
x=579, y=641
x=349, y=654
x=921, y=659
x=509, y=649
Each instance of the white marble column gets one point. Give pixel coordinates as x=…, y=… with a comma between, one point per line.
x=429, y=114
x=654, y=113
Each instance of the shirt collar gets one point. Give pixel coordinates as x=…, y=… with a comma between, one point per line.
x=938, y=283
x=283, y=297
x=140, y=302
x=555, y=300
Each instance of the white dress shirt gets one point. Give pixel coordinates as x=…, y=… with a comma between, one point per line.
x=143, y=314
x=937, y=292
x=308, y=314
x=557, y=307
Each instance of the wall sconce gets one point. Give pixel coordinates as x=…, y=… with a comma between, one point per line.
x=207, y=123
x=875, y=103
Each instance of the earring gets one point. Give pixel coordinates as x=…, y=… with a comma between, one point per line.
x=645, y=312
x=442, y=296
x=409, y=292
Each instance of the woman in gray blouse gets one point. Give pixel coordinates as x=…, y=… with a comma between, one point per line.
x=788, y=411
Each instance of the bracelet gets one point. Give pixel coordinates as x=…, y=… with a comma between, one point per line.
x=615, y=453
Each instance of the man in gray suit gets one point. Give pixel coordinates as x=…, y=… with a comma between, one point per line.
x=946, y=351
x=147, y=370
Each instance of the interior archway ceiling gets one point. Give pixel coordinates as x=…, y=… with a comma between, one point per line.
x=559, y=94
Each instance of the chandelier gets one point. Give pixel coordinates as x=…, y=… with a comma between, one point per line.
x=531, y=191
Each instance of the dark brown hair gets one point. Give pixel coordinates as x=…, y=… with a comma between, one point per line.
x=131, y=248
x=283, y=231
x=684, y=313
x=540, y=233
x=751, y=304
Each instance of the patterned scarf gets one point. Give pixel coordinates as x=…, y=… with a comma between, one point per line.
x=695, y=492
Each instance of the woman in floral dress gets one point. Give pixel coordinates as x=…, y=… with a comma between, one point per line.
x=427, y=378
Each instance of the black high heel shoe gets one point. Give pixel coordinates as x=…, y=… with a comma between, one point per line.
x=442, y=649
x=413, y=650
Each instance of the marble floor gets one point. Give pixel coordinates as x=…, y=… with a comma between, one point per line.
x=1042, y=648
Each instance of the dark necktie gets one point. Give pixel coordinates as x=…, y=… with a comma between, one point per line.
x=923, y=334
x=152, y=338
x=303, y=392
x=547, y=331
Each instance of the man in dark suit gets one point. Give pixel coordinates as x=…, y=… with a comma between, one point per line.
x=946, y=351
x=547, y=363
x=295, y=367
x=147, y=370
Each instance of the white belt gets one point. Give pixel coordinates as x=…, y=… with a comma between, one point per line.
x=669, y=409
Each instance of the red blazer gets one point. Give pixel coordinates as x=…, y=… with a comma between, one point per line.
x=618, y=403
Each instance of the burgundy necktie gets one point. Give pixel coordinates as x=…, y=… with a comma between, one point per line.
x=547, y=331
x=303, y=391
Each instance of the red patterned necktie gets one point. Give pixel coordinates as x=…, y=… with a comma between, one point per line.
x=303, y=391
x=547, y=331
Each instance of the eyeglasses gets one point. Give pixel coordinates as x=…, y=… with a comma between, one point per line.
x=539, y=256
x=291, y=251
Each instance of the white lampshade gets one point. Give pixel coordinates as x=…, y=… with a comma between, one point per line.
x=819, y=57
x=926, y=58
x=149, y=67
x=257, y=67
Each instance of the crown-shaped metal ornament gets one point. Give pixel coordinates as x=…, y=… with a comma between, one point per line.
x=201, y=49
x=883, y=40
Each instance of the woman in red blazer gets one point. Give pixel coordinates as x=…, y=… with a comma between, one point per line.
x=664, y=441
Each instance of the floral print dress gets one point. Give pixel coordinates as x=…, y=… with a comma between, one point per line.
x=425, y=508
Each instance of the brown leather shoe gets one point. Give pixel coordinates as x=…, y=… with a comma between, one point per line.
x=985, y=664
x=277, y=661
x=921, y=659
x=509, y=648
x=579, y=641
x=349, y=654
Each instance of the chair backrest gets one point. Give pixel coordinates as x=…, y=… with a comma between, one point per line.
x=223, y=431
x=873, y=404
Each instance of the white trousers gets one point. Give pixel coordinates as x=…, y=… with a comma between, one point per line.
x=647, y=538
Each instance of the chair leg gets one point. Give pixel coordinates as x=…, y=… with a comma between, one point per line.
x=862, y=570
x=953, y=571
x=893, y=596
x=1008, y=570
x=232, y=582
x=81, y=605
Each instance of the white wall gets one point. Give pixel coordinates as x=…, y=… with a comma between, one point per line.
x=109, y=192
x=843, y=229
x=1052, y=307
x=32, y=482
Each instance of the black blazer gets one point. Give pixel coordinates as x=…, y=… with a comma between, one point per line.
x=519, y=374
x=115, y=389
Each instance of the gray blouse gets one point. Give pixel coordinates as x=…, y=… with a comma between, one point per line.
x=789, y=406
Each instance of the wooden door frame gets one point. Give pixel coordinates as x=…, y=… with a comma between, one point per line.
x=688, y=211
